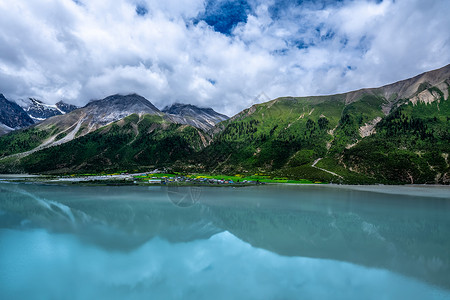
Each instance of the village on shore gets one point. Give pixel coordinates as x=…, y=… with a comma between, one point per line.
x=129, y=179
x=157, y=177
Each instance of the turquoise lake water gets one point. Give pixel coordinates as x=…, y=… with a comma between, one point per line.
x=261, y=242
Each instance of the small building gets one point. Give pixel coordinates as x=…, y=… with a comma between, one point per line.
x=154, y=181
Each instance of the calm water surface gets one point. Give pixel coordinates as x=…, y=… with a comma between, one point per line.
x=265, y=242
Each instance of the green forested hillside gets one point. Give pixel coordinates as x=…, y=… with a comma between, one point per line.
x=24, y=140
x=134, y=142
x=269, y=136
x=356, y=141
x=411, y=145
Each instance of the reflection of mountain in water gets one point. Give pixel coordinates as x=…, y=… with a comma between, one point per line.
x=405, y=234
x=112, y=218
x=398, y=233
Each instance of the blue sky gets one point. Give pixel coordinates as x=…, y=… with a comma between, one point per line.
x=215, y=53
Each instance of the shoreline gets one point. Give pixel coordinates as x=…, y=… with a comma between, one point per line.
x=129, y=180
x=154, y=179
x=414, y=190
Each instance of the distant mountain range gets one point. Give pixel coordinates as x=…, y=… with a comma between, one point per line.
x=39, y=111
x=203, y=118
x=58, y=129
x=98, y=113
x=12, y=116
x=398, y=133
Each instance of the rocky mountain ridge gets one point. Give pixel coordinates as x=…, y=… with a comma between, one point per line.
x=203, y=118
x=61, y=128
x=39, y=111
x=12, y=116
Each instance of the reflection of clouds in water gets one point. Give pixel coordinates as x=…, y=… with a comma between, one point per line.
x=184, y=196
x=222, y=267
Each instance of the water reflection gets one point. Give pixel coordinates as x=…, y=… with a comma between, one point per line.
x=404, y=234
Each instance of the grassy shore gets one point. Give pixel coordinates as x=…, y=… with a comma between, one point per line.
x=158, y=179
x=221, y=179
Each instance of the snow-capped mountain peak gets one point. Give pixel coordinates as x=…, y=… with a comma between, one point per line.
x=40, y=111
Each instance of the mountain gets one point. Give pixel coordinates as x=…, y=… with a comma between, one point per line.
x=398, y=133
x=135, y=142
x=113, y=110
x=12, y=116
x=39, y=111
x=408, y=88
x=65, y=108
x=62, y=128
x=203, y=118
x=98, y=113
x=117, y=107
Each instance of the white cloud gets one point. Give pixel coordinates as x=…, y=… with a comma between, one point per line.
x=58, y=49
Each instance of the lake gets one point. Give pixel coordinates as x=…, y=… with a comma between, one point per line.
x=259, y=242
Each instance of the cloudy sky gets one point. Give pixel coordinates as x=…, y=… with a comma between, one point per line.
x=216, y=53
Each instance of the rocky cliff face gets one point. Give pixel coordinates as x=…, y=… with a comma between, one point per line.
x=39, y=111
x=116, y=107
x=12, y=116
x=65, y=107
